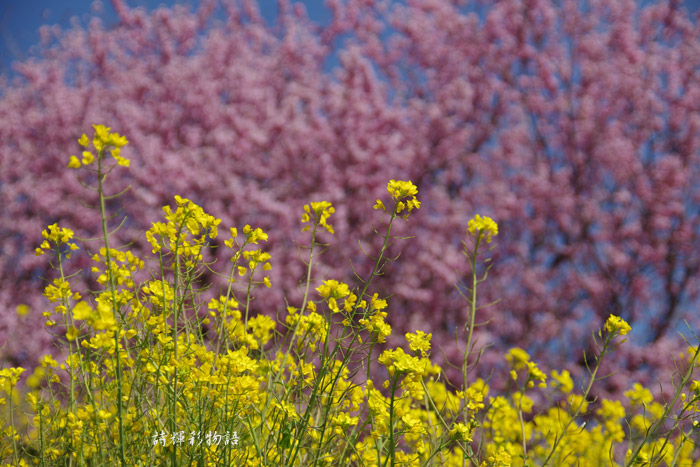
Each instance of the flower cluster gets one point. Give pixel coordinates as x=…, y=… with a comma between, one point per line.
x=333, y=291
x=101, y=140
x=375, y=321
x=321, y=210
x=404, y=196
x=58, y=237
x=483, y=227
x=185, y=231
x=615, y=324
x=519, y=360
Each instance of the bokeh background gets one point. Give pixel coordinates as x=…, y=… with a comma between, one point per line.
x=574, y=124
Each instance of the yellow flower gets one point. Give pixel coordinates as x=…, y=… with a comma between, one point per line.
x=639, y=395
x=617, y=324
x=461, y=432
x=254, y=236
x=501, y=458
x=101, y=137
x=333, y=289
x=535, y=374
x=9, y=377
x=82, y=311
x=74, y=163
x=419, y=342
x=563, y=380
x=343, y=422
x=88, y=157
x=578, y=403
x=262, y=327
x=322, y=211
x=22, y=310
x=483, y=227
x=377, y=324
x=612, y=412
x=377, y=303
x=116, y=153
x=413, y=424
x=404, y=193
x=47, y=361
x=399, y=189
x=397, y=361
x=518, y=358
x=522, y=402
x=101, y=140
x=71, y=333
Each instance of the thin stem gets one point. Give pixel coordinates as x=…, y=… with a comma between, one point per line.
x=472, y=317
x=558, y=439
x=15, y=455
x=41, y=434
x=522, y=425
x=112, y=285
x=392, y=441
x=308, y=270
x=470, y=332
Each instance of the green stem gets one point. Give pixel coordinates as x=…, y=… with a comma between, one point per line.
x=15, y=455
x=558, y=439
x=470, y=332
x=308, y=270
x=41, y=434
x=522, y=425
x=392, y=441
x=472, y=317
x=112, y=285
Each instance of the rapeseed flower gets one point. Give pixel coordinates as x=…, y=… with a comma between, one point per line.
x=419, y=342
x=404, y=194
x=461, y=432
x=397, y=361
x=615, y=324
x=322, y=210
x=376, y=324
x=612, y=412
x=517, y=358
x=474, y=396
x=639, y=395
x=101, y=140
x=22, y=309
x=483, y=227
x=401, y=189
x=563, y=381
x=333, y=291
x=9, y=377
x=57, y=236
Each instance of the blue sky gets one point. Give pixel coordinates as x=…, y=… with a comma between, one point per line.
x=20, y=19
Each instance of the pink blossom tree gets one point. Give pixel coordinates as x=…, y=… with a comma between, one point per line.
x=574, y=124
